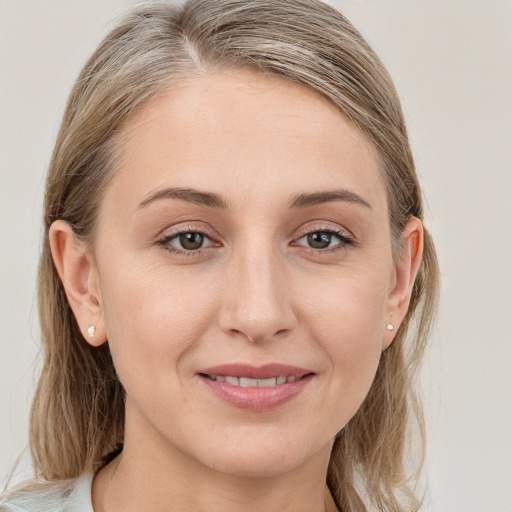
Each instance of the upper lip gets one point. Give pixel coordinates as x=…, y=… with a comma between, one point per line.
x=266, y=371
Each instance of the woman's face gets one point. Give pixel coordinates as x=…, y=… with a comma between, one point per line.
x=244, y=241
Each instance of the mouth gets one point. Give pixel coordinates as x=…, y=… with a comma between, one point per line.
x=247, y=382
x=256, y=388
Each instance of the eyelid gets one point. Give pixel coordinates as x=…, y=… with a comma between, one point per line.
x=345, y=238
x=342, y=231
x=164, y=240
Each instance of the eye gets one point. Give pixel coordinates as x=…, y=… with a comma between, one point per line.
x=190, y=241
x=325, y=239
x=186, y=241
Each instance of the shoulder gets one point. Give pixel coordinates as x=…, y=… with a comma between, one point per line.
x=40, y=496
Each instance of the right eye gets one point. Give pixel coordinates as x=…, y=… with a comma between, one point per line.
x=186, y=241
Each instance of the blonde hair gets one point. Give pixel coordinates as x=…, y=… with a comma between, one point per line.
x=77, y=418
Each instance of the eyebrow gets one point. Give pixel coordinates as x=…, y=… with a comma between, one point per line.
x=305, y=200
x=186, y=194
x=213, y=200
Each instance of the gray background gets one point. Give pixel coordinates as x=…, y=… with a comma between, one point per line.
x=451, y=63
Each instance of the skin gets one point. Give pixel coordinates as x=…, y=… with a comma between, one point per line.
x=256, y=293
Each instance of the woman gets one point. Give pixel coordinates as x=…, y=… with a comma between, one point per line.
x=234, y=254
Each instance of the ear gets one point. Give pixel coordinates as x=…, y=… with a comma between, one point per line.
x=79, y=277
x=404, y=275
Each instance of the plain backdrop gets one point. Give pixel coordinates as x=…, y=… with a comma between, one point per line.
x=451, y=61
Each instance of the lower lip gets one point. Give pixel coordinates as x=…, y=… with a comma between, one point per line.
x=255, y=398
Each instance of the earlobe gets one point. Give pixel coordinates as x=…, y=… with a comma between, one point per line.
x=79, y=277
x=406, y=270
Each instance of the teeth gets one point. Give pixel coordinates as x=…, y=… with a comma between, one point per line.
x=267, y=383
x=246, y=382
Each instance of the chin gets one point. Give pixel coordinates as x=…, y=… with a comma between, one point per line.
x=267, y=466
x=264, y=458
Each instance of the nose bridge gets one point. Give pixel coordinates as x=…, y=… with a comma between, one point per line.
x=258, y=306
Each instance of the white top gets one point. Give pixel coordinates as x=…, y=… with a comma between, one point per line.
x=68, y=496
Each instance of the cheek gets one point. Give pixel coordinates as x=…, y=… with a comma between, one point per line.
x=347, y=318
x=350, y=307
x=152, y=324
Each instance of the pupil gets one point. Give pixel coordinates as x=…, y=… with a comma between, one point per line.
x=191, y=241
x=319, y=240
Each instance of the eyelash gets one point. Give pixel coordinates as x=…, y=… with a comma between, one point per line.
x=344, y=241
x=164, y=242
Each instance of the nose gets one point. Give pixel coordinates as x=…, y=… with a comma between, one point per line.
x=257, y=303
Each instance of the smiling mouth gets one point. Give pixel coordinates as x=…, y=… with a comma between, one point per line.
x=247, y=382
x=256, y=388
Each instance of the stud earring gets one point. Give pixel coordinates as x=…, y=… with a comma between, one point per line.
x=91, y=330
x=390, y=327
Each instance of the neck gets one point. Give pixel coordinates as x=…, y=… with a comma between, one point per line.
x=153, y=476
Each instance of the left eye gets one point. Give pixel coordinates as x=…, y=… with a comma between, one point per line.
x=323, y=239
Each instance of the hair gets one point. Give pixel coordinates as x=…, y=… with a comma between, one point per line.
x=77, y=417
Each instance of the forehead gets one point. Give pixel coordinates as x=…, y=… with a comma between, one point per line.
x=244, y=133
